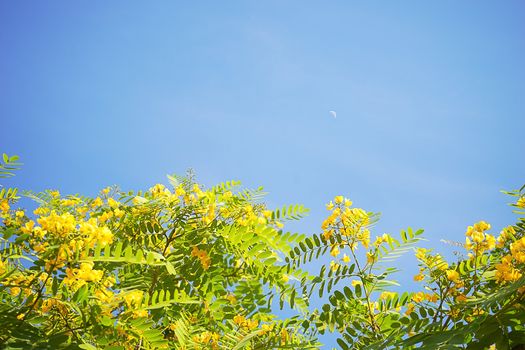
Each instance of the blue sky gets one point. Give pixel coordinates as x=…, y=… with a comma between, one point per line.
x=429, y=100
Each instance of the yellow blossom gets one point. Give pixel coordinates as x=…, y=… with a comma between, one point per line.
x=60, y=225
x=28, y=227
x=113, y=203
x=370, y=257
x=179, y=191
x=338, y=199
x=461, y=298
x=231, y=298
x=418, y=297
x=410, y=309
x=452, y=275
x=431, y=297
x=330, y=206
x=239, y=320
x=140, y=313
x=133, y=298
x=521, y=202
x=266, y=328
x=4, y=206
x=419, y=277
x=97, y=202
x=346, y=258
x=335, y=251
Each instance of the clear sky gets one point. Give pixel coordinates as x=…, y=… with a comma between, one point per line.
x=429, y=99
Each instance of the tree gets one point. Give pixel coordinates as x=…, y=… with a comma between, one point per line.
x=185, y=267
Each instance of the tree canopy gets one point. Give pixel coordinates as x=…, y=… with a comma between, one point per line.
x=183, y=266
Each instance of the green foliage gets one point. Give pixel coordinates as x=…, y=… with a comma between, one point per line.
x=184, y=267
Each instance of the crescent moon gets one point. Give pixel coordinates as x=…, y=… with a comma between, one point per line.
x=333, y=114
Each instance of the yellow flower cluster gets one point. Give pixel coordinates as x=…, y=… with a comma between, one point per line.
x=477, y=240
x=453, y=275
x=94, y=233
x=208, y=338
x=133, y=298
x=3, y=267
x=420, y=297
x=4, y=206
x=351, y=223
x=19, y=283
x=203, y=257
x=508, y=270
x=159, y=191
x=248, y=324
x=77, y=277
x=58, y=225
x=53, y=303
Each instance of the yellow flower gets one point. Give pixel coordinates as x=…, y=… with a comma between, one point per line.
x=461, y=298
x=330, y=206
x=231, y=298
x=370, y=257
x=113, y=203
x=333, y=265
x=410, y=309
x=418, y=297
x=453, y=276
x=355, y=282
x=4, y=206
x=266, y=328
x=334, y=252
x=252, y=324
x=481, y=226
x=338, y=199
x=55, y=194
x=2, y=267
x=431, y=297
x=348, y=202
x=179, y=191
x=140, y=313
x=97, y=202
x=521, y=202
x=60, y=225
x=346, y=258
x=106, y=190
x=133, y=298
x=419, y=277
x=239, y=320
